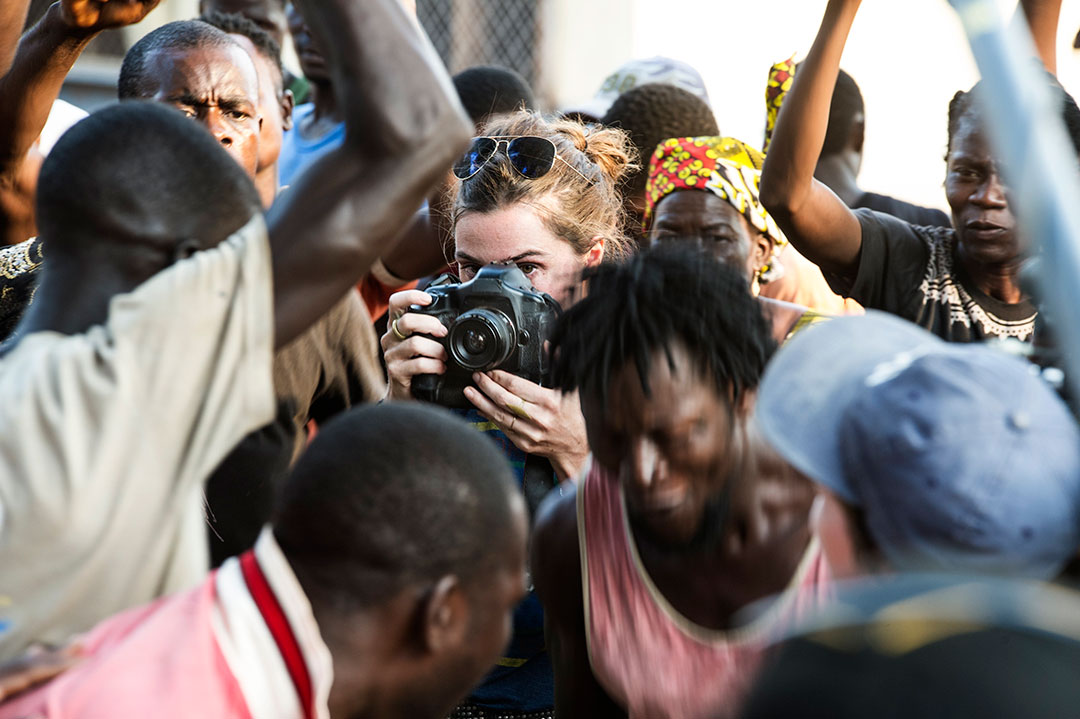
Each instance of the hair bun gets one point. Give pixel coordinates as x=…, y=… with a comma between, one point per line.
x=611, y=150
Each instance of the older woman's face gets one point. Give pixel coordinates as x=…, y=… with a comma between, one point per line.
x=518, y=234
x=714, y=225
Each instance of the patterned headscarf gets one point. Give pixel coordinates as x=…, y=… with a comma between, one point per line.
x=781, y=75
x=724, y=166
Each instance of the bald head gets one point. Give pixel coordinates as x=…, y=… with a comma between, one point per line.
x=394, y=495
x=139, y=175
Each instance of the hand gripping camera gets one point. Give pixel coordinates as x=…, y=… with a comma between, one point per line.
x=495, y=321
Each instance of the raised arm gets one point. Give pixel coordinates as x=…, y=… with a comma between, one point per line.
x=44, y=58
x=404, y=127
x=817, y=222
x=12, y=19
x=1042, y=18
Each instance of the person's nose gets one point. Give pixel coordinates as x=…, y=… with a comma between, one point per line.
x=222, y=131
x=990, y=193
x=646, y=464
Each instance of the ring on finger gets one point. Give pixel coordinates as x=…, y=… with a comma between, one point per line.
x=520, y=411
x=396, y=331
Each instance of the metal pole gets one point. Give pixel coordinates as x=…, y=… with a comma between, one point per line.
x=1038, y=158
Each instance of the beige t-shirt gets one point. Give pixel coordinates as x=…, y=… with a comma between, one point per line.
x=106, y=438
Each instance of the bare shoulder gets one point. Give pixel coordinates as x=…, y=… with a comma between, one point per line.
x=556, y=561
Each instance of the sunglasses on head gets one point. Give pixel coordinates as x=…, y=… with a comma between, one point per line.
x=531, y=157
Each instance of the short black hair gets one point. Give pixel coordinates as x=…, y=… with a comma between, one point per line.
x=140, y=171
x=487, y=90
x=390, y=496
x=963, y=103
x=233, y=23
x=846, y=106
x=652, y=113
x=664, y=295
x=179, y=35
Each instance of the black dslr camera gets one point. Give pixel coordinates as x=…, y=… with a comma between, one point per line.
x=495, y=321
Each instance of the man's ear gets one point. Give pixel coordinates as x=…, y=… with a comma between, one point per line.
x=445, y=616
x=287, y=102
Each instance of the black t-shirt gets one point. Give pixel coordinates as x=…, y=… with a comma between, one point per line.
x=915, y=214
x=912, y=272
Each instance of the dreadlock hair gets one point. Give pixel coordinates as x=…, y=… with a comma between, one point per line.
x=576, y=204
x=963, y=103
x=664, y=295
x=652, y=113
x=233, y=23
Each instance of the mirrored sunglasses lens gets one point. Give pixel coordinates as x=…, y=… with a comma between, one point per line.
x=531, y=156
x=477, y=156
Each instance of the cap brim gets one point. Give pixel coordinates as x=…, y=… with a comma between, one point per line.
x=810, y=383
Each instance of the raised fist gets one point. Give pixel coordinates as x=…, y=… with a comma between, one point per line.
x=95, y=15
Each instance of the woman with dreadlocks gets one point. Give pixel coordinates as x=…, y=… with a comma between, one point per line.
x=541, y=194
x=683, y=517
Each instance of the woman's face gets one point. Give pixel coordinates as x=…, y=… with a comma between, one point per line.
x=517, y=234
x=712, y=224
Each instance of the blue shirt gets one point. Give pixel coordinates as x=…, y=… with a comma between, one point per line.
x=298, y=153
x=522, y=679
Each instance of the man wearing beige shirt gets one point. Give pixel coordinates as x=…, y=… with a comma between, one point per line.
x=147, y=352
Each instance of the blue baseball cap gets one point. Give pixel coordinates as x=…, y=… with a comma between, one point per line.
x=960, y=457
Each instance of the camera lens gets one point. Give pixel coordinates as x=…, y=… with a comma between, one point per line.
x=482, y=339
x=474, y=342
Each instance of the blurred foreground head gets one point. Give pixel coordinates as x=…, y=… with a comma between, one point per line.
x=666, y=350
x=137, y=186
x=935, y=456
x=407, y=533
x=929, y=646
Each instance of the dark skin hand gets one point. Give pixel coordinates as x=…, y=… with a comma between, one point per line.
x=822, y=227
x=44, y=58
x=674, y=453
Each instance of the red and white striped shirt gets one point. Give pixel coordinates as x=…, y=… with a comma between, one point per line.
x=243, y=645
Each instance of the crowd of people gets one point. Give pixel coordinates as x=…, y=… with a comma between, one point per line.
x=376, y=392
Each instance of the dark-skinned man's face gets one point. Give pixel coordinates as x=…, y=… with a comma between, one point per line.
x=216, y=86
x=311, y=58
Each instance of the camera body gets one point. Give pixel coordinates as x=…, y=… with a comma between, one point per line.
x=497, y=320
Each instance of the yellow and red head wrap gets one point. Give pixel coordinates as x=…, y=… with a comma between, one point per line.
x=781, y=76
x=724, y=166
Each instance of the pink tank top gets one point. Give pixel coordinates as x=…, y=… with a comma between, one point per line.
x=646, y=655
